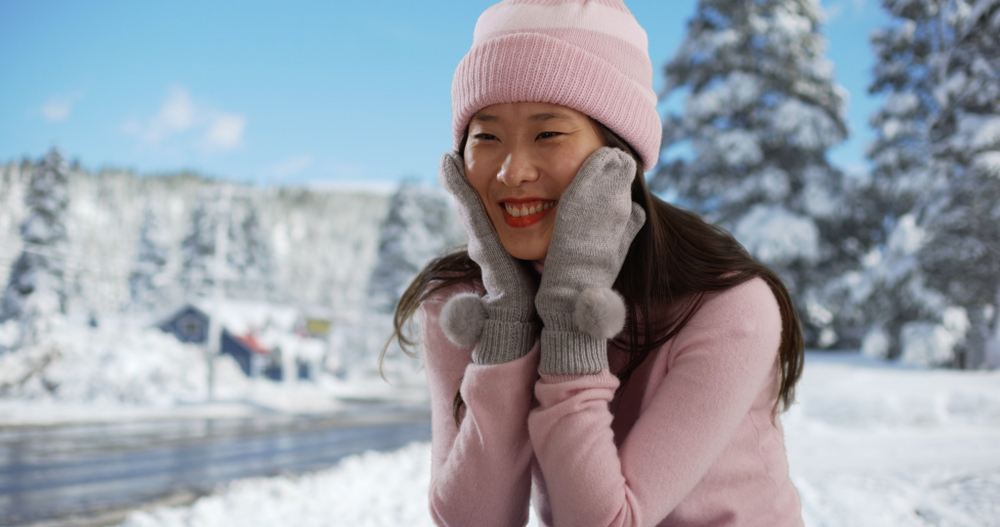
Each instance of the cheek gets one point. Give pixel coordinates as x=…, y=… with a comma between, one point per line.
x=568, y=165
x=567, y=173
x=478, y=178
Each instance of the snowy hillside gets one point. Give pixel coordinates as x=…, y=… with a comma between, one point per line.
x=323, y=242
x=118, y=252
x=868, y=445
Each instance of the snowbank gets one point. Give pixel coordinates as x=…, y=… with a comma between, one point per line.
x=875, y=444
x=853, y=392
x=365, y=490
x=868, y=444
x=76, y=363
x=124, y=369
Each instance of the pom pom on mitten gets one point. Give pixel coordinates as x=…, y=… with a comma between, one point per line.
x=462, y=319
x=599, y=312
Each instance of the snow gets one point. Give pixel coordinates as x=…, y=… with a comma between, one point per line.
x=379, y=188
x=141, y=247
x=978, y=132
x=906, y=237
x=323, y=241
x=901, y=103
x=739, y=90
x=817, y=198
x=988, y=162
x=806, y=126
x=127, y=369
x=791, y=24
x=420, y=225
x=738, y=147
x=868, y=444
x=776, y=236
x=875, y=344
x=926, y=343
x=929, y=344
x=774, y=182
x=366, y=490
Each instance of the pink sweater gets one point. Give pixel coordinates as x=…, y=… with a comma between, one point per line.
x=688, y=442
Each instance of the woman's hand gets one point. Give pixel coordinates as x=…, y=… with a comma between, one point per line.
x=503, y=321
x=596, y=221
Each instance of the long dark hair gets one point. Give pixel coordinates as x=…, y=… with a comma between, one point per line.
x=675, y=260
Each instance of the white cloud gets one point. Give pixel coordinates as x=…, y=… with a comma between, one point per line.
x=225, y=131
x=851, y=8
x=197, y=124
x=291, y=166
x=59, y=107
x=833, y=11
x=177, y=112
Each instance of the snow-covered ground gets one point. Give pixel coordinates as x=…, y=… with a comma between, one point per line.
x=125, y=369
x=871, y=444
x=868, y=444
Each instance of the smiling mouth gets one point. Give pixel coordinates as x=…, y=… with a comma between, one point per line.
x=526, y=213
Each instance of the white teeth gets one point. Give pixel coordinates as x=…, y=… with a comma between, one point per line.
x=518, y=211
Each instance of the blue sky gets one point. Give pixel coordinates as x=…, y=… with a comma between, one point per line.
x=301, y=92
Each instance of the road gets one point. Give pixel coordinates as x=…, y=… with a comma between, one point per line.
x=61, y=471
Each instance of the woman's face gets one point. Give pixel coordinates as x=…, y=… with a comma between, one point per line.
x=520, y=157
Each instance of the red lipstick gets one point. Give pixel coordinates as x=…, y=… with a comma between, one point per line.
x=523, y=207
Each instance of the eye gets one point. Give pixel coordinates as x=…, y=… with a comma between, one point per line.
x=547, y=135
x=485, y=137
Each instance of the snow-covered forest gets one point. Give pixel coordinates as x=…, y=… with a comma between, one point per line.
x=114, y=252
x=903, y=262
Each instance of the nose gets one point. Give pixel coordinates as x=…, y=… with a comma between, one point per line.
x=518, y=167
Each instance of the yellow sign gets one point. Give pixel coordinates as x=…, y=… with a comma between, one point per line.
x=317, y=327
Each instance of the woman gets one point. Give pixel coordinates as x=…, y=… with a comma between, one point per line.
x=612, y=358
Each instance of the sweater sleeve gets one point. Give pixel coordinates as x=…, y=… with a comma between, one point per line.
x=480, y=469
x=717, y=365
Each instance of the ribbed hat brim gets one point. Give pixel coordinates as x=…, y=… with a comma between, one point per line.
x=533, y=67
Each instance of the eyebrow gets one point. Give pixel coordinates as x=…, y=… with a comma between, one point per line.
x=486, y=118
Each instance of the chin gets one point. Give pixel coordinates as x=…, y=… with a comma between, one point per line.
x=523, y=245
x=522, y=252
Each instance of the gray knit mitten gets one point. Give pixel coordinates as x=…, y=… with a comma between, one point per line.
x=502, y=323
x=596, y=221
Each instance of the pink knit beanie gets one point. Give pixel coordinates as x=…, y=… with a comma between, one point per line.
x=589, y=55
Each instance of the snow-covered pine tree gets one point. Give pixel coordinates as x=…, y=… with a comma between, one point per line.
x=961, y=255
x=420, y=225
x=249, y=257
x=197, y=274
x=145, y=281
x=36, y=287
x=248, y=268
x=749, y=150
x=909, y=68
x=890, y=290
